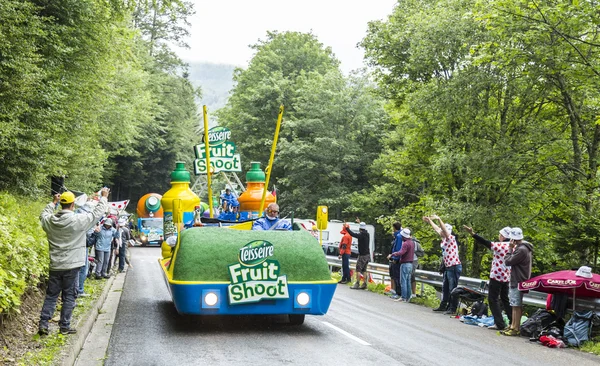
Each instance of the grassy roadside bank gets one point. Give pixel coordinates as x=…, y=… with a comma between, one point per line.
x=19, y=342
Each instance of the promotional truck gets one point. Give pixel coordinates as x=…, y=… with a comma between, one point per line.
x=150, y=220
x=225, y=268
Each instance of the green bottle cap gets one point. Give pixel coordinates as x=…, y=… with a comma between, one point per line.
x=152, y=204
x=180, y=174
x=255, y=174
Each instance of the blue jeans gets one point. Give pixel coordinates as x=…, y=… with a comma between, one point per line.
x=451, y=276
x=59, y=281
x=405, y=274
x=82, y=275
x=346, y=267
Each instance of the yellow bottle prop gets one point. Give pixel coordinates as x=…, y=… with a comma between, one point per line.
x=178, y=205
x=250, y=200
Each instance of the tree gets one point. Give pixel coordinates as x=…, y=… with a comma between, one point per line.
x=273, y=77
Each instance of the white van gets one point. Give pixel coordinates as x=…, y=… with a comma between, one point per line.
x=332, y=236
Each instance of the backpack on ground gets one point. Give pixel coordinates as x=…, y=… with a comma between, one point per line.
x=579, y=328
x=419, y=252
x=479, y=309
x=537, y=323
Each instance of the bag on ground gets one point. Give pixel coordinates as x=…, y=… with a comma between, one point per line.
x=579, y=328
x=479, y=309
x=538, y=322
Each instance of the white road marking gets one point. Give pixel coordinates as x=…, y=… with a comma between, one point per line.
x=346, y=334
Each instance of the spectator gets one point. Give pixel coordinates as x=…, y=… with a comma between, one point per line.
x=419, y=252
x=450, y=260
x=345, y=251
x=103, y=247
x=88, y=207
x=405, y=257
x=499, y=276
x=122, y=248
x=519, y=258
x=271, y=220
x=314, y=231
x=364, y=254
x=66, y=233
x=395, y=260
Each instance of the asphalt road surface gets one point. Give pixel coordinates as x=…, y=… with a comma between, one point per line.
x=361, y=328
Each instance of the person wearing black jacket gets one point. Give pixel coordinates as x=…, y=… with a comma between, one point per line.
x=364, y=254
x=499, y=276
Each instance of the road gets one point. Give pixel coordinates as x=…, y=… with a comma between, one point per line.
x=360, y=328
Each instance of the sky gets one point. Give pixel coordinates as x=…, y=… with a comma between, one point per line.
x=222, y=30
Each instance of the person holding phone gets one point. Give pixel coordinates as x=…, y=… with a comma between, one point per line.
x=66, y=232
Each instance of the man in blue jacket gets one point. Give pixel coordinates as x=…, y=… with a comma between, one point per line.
x=103, y=246
x=271, y=220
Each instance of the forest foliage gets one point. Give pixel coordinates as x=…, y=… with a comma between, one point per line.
x=484, y=112
x=89, y=90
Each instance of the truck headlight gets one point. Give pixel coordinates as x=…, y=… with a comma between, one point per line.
x=303, y=299
x=210, y=299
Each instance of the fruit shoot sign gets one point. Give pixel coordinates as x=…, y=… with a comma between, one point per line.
x=256, y=277
x=222, y=153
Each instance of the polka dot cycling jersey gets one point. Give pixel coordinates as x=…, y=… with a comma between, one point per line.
x=450, y=251
x=499, y=272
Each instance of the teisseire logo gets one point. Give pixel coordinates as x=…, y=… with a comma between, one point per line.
x=256, y=277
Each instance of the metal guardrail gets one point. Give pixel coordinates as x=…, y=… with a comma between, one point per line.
x=534, y=298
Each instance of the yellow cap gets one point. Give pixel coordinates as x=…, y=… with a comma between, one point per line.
x=67, y=197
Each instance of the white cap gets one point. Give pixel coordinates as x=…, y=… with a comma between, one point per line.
x=516, y=233
x=505, y=232
x=584, y=271
x=449, y=228
x=405, y=233
x=362, y=225
x=108, y=222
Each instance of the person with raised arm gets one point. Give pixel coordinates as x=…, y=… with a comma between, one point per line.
x=450, y=260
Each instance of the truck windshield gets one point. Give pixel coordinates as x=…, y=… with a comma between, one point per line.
x=152, y=223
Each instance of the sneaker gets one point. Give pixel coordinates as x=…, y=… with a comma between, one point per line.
x=439, y=309
x=83, y=294
x=43, y=331
x=392, y=292
x=363, y=286
x=449, y=312
x=510, y=333
x=107, y=276
x=399, y=300
x=355, y=286
x=495, y=327
x=341, y=282
x=394, y=297
x=68, y=331
x=413, y=296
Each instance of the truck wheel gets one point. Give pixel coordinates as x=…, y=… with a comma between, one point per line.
x=296, y=319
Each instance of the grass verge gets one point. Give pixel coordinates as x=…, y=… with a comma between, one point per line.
x=46, y=350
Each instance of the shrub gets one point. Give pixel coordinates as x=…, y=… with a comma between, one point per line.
x=24, y=249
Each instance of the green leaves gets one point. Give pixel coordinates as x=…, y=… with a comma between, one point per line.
x=24, y=247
